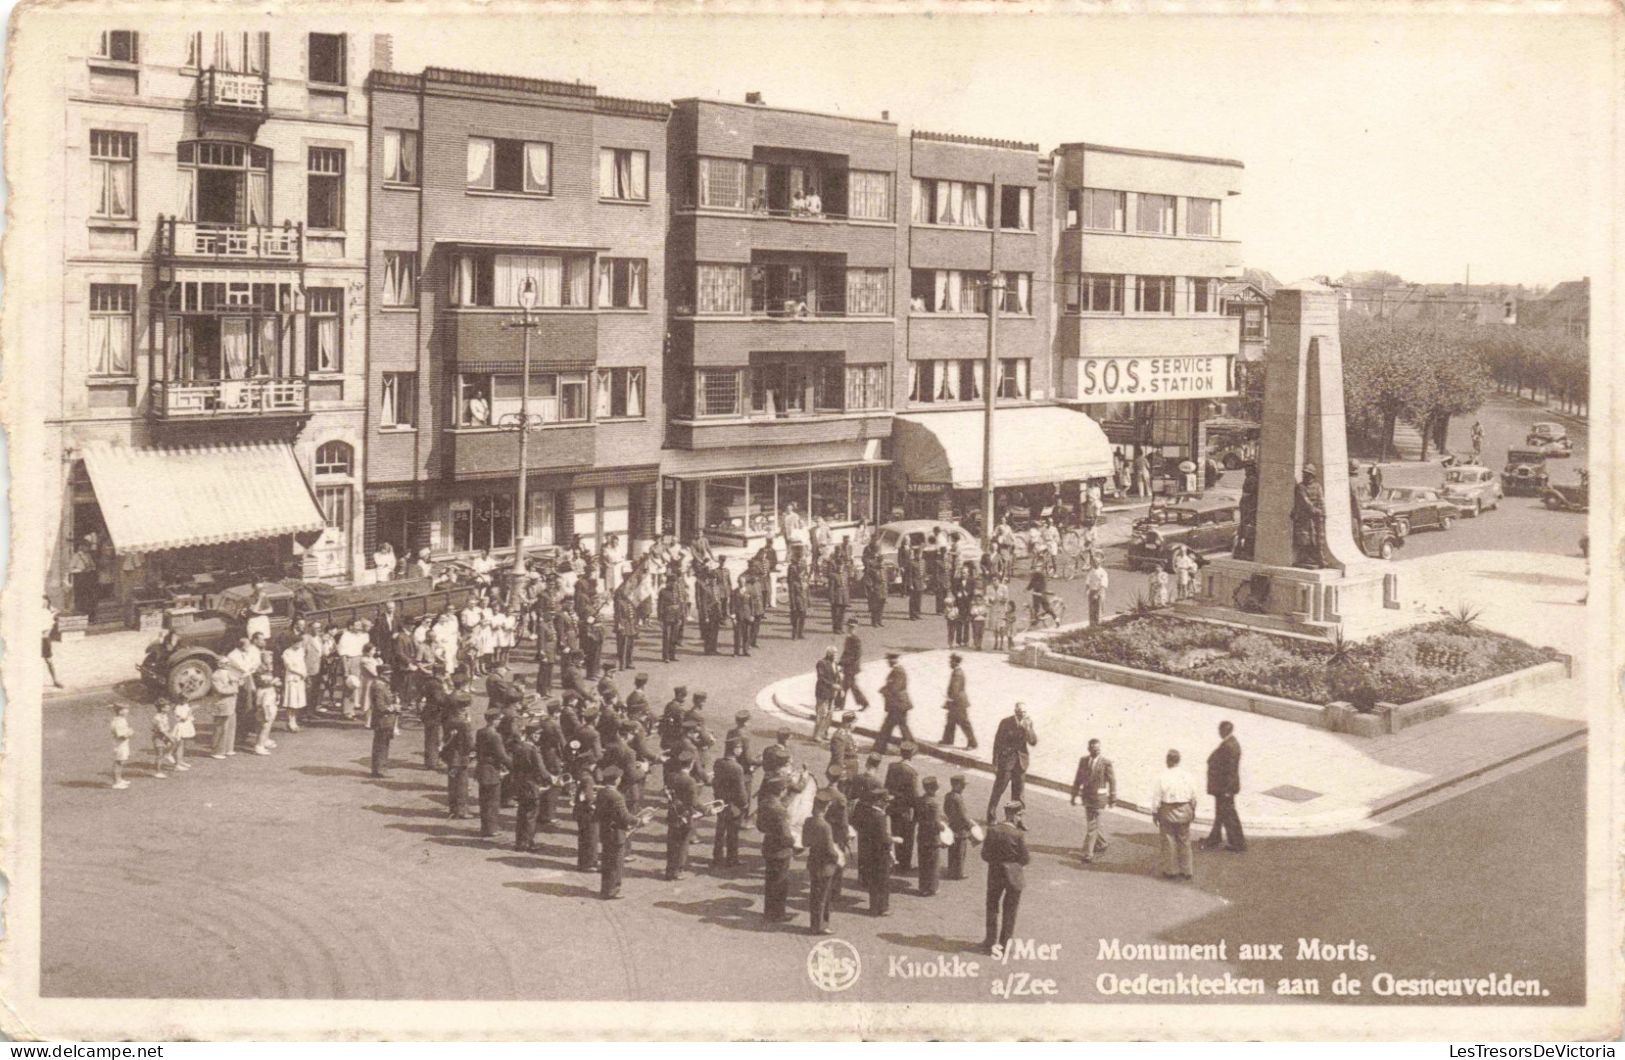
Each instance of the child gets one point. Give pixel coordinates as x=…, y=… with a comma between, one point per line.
x=978, y=619
x=265, y=700
x=181, y=729
x=121, y=744
x=1007, y=627
x=162, y=742
x=950, y=611
x=1159, y=587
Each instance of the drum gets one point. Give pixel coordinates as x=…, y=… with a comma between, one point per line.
x=976, y=833
x=946, y=836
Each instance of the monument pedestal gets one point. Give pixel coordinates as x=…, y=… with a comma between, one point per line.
x=1358, y=602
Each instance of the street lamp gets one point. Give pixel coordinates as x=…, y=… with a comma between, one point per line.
x=527, y=302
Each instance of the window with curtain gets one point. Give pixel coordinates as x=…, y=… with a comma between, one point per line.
x=242, y=53
x=112, y=174
x=868, y=292
x=618, y=394
x=868, y=195
x=720, y=288
x=521, y=166
x=972, y=376
x=400, y=278
x=923, y=204
x=1154, y=214
x=1204, y=294
x=400, y=156
x=324, y=177
x=119, y=45
x=866, y=387
x=1016, y=208
x=324, y=341
x=561, y=281
x=1102, y=209
x=717, y=392
x=622, y=283
x=623, y=174
x=1018, y=293
x=1202, y=217
x=1154, y=294
x=235, y=343
x=1102, y=293
x=722, y=183
x=112, y=328
x=1013, y=378
x=398, y=400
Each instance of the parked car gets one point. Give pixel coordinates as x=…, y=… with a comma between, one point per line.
x=1203, y=526
x=1472, y=489
x=918, y=532
x=1415, y=507
x=1550, y=438
x=1575, y=497
x=1525, y=473
x=1379, y=534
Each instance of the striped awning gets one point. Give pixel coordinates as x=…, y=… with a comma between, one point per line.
x=1042, y=444
x=155, y=499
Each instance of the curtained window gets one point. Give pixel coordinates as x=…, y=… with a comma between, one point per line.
x=868, y=292
x=112, y=174
x=622, y=283
x=1018, y=290
x=1102, y=209
x=324, y=344
x=865, y=387
x=623, y=174
x=921, y=211
x=720, y=289
x=1202, y=217
x=400, y=278
x=869, y=195
x=722, y=183
x=1016, y=208
x=521, y=166
x=234, y=347
x=398, y=399
x=112, y=328
x=480, y=153
x=1154, y=214
x=618, y=394
x=400, y=156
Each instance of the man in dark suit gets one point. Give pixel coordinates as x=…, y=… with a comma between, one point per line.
x=626, y=628
x=903, y=785
x=851, y=663
x=454, y=753
x=874, y=590
x=438, y=707
x=743, y=609
x=837, y=575
x=708, y=609
x=957, y=704
x=529, y=775
x=778, y=849
x=1224, y=783
x=385, y=626
x=874, y=848
x=1010, y=743
x=728, y=785
x=840, y=825
x=894, y=693
x=585, y=811
x=953, y=810
x=823, y=862
x=1005, y=851
x=826, y=684
x=615, y=823
x=795, y=582
x=928, y=836
x=1096, y=784
x=671, y=618
x=491, y=761
x=910, y=580
x=385, y=712
x=682, y=806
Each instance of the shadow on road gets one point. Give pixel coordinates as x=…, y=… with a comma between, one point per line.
x=934, y=943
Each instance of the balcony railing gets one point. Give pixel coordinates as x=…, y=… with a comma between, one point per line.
x=205, y=398
x=808, y=308
x=201, y=239
x=229, y=92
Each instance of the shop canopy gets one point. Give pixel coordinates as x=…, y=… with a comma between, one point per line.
x=154, y=499
x=1031, y=446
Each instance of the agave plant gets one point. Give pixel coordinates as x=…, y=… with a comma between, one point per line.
x=1465, y=617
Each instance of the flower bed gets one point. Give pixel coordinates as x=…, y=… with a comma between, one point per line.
x=1399, y=667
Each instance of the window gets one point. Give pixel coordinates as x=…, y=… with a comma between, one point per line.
x=716, y=392
x=951, y=202
x=721, y=183
x=223, y=183
x=324, y=336
x=482, y=522
x=782, y=289
x=1013, y=378
x=971, y=375
x=118, y=45
x=1202, y=217
x=622, y=283
x=400, y=278
x=335, y=505
x=521, y=166
x=327, y=58
x=829, y=388
x=1016, y=208
x=1074, y=206
x=1102, y=210
x=618, y=394
x=1102, y=293
x=779, y=388
x=623, y=174
x=112, y=173
x=400, y=156
x=950, y=291
x=1252, y=322
x=562, y=281
x=398, y=401
x=1154, y=214
x=869, y=195
x=1154, y=294
x=335, y=458
x=112, y=328
x=493, y=400
x=242, y=53
x=866, y=387
x=324, y=188
x=1204, y=295
x=720, y=288
x=868, y=292
x=1018, y=293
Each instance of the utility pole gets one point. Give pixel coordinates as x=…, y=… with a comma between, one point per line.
x=990, y=385
x=521, y=515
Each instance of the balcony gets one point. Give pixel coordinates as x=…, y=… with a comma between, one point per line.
x=234, y=98
x=230, y=242
x=758, y=431
x=215, y=398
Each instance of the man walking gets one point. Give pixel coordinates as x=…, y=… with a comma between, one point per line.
x=1005, y=851
x=851, y=663
x=823, y=862
x=903, y=785
x=957, y=704
x=1224, y=783
x=491, y=761
x=894, y=694
x=1173, y=801
x=1010, y=756
x=1096, y=784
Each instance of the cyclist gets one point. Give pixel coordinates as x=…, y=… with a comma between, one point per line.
x=1043, y=601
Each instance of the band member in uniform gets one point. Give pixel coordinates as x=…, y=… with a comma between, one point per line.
x=529, y=775
x=671, y=718
x=682, y=806
x=823, y=862
x=828, y=684
x=491, y=762
x=840, y=825
x=778, y=849
x=710, y=609
x=903, y=784
x=838, y=575
x=851, y=662
x=615, y=823
x=928, y=836
x=637, y=701
x=874, y=849
x=953, y=810
x=957, y=704
x=843, y=747
x=455, y=752
x=626, y=627
x=874, y=590
x=671, y=618
x=585, y=810
x=894, y=693
x=547, y=646
x=736, y=745
x=728, y=785
x=550, y=741
x=795, y=581
x=1005, y=851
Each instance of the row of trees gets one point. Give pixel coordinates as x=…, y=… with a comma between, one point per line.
x=1548, y=363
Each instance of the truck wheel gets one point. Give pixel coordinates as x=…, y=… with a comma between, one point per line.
x=1552, y=502
x=191, y=679
x=1446, y=522
x=1387, y=549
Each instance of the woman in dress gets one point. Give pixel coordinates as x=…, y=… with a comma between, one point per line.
x=295, y=677
x=181, y=729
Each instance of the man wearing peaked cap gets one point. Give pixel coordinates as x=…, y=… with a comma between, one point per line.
x=903, y=784
x=682, y=805
x=928, y=835
x=953, y=810
x=615, y=823
x=843, y=746
x=894, y=694
x=823, y=862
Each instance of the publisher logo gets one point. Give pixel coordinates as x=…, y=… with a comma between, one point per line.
x=833, y=965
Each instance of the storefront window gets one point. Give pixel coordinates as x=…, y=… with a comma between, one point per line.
x=725, y=504
x=793, y=490
x=863, y=493
x=831, y=494
x=763, y=505
x=482, y=522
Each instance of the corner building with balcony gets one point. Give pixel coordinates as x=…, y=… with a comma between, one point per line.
x=1142, y=341
x=785, y=297
x=486, y=190
x=206, y=420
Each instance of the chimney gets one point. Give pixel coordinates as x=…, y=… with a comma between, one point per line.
x=754, y=99
x=383, y=51
x=885, y=115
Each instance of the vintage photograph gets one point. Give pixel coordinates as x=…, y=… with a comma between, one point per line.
x=984, y=522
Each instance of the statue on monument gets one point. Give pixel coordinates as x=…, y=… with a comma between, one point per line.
x=1309, y=520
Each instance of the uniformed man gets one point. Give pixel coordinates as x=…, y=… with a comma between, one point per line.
x=502, y=690
x=637, y=701
x=455, y=752
x=549, y=741
x=698, y=734
x=851, y=663
x=439, y=705
x=928, y=836
x=547, y=646
x=840, y=825
x=671, y=718
x=823, y=862
x=743, y=607
x=491, y=762
x=530, y=776
x=912, y=570
x=778, y=849
x=606, y=683
x=903, y=785
x=644, y=755
x=953, y=810
x=710, y=609
x=671, y=618
x=795, y=581
x=874, y=849
x=1005, y=851
x=894, y=694
x=682, y=806
x=957, y=704
x=584, y=808
x=827, y=684
x=843, y=747
x=837, y=575
x=736, y=745
x=874, y=590
x=615, y=823
x=385, y=712
x=728, y=785
x=626, y=628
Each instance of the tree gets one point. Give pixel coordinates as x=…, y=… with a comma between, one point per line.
x=1380, y=378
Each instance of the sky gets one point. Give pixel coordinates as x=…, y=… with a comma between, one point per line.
x=1426, y=145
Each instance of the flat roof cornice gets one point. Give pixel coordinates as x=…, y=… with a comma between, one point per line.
x=1141, y=153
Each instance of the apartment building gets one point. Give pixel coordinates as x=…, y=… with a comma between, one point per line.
x=489, y=192
x=208, y=404
x=785, y=300
x=1142, y=342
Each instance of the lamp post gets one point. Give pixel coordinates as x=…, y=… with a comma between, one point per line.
x=990, y=384
x=527, y=302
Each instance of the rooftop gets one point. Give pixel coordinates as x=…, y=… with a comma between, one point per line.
x=782, y=110
x=974, y=141
x=1142, y=153
x=531, y=86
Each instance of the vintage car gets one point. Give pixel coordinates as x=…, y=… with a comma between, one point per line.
x=1574, y=497
x=1471, y=488
x=918, y=534
x=1525, y=473
x=1415, y=508
x=1379, y=534
x=1550, y=438
x=1203, y=526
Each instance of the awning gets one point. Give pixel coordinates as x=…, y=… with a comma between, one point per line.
x=153, y=499
x=1031, y=446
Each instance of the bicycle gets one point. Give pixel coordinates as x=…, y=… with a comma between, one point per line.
x=1051, y=616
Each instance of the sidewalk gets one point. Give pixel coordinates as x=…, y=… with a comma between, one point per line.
x=1296, y=780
